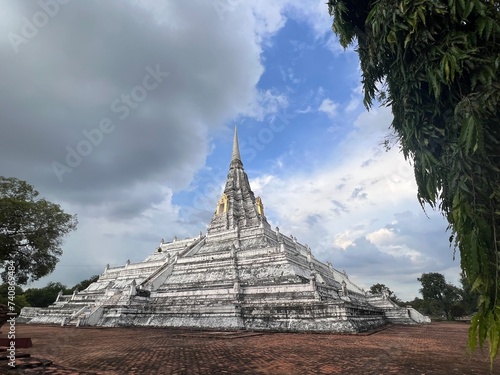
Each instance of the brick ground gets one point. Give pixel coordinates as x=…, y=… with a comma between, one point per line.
x=438, y=348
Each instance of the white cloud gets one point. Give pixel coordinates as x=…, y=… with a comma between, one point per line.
x=381, y=236
x=267, y=102
x=358, y=209
x=356, y=99
x=333, y=44
x=329, y=107
x=288, y=76
x=308, y=109
x=260, y=183
x=314, y=13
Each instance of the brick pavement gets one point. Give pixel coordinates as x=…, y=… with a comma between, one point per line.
x=438, y=348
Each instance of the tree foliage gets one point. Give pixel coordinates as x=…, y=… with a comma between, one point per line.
x=469, y=297
x=443, y=294
x=43, y=297
x=380, y=288
x=31, y=230
x=418, y=304
x=459, y=302
x=85, y=283
x=436, y=63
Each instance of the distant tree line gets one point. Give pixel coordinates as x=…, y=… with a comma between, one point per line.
x=41, y=297
x=440, y=300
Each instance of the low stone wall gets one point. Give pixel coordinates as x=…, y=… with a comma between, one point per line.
x=227, y=321
x=338, y=316
x=417, y=316
x=312, y=317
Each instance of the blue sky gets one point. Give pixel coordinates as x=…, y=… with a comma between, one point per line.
x=123, y=113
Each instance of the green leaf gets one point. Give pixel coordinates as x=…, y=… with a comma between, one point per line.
x=468, y=9
x=391, y=38
x=407, y=40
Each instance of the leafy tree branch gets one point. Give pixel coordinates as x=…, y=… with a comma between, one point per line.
x=436, y=63
x=31, y=230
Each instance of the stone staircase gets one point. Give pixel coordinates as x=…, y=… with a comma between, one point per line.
x=396, y=314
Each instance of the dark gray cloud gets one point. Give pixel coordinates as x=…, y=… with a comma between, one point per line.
x=362, y=256
x=366, y=264
x=339, y=207
x=426, y=233
x=108, y=95
x=367, y=162
x=314, y=220
x=359, y=193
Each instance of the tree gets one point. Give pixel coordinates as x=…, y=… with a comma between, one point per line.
x=436, y=289
x=436, y=63
x=31, y=230
x=379, y=289
x=457, y=311
x=43, y=297
x=469, y=297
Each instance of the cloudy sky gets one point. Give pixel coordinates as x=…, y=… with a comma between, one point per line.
x=123, y=112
